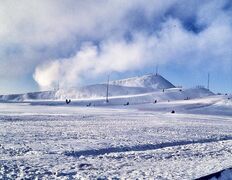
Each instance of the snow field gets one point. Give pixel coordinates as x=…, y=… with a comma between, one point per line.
x=59, y=142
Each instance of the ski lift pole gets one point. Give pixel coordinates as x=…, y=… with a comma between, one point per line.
x=107, y=89
x=208, y=81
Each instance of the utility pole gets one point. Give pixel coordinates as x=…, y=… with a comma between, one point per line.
x=157, y=67
x=208, y=81
x=107, y=89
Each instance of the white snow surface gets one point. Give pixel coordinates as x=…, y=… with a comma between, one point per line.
x=99, y=90
x=141, y=141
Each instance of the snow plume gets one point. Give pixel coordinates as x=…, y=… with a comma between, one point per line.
x=171, y=44
x=93, y=60
x=48, y=74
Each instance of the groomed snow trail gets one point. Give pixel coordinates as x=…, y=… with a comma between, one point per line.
x=73, y=142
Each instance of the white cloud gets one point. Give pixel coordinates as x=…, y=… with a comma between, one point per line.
x=41, y=33
x=32, y=25
x=51, y=21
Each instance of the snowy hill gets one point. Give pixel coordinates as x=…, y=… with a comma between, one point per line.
x=136, y=90
x=146, y=81
x=32, y=95
x=130, y=86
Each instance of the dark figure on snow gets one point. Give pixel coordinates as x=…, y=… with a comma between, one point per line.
x=68, y=101
x=126, y=104
x=88, y=105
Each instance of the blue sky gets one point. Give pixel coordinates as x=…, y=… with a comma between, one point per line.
x=80, y=42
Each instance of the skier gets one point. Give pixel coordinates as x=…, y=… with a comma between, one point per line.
x=68, y=101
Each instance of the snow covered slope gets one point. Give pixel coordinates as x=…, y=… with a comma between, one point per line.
x=32, y=95
x=146, y=81
x=136, y=90
x=131, y=86
x=91, y=91
x=99, y=90
x=172, y=94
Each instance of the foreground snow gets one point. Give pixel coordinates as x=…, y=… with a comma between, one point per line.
x=80, y=142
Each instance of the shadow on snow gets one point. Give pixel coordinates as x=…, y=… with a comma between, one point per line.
x=144, y=147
